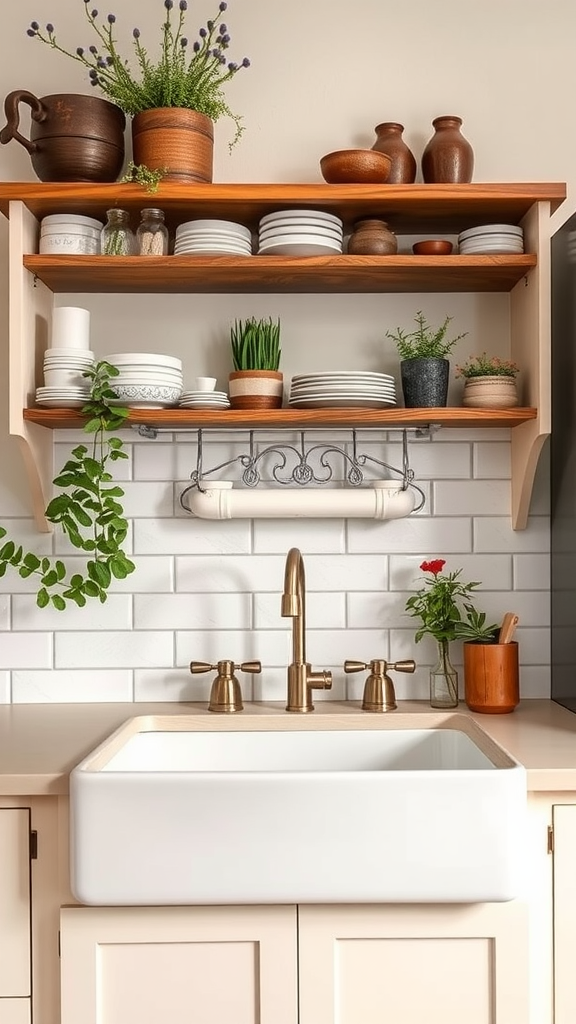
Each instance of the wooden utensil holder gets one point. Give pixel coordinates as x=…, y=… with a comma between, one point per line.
x=491, y=677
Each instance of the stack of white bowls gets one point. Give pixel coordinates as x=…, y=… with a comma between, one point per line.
x=70, y=233
x=491, y=238
x=147, y=380
x=64, y=382
x=214, y=237
x=300, y=233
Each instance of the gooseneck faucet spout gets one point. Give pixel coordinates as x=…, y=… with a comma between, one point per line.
x=301, y=679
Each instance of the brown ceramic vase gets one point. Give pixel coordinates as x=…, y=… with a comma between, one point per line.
x=372, y=237
x=177, y=139
x=448, y=156
x=389, y=141
x=72, y=137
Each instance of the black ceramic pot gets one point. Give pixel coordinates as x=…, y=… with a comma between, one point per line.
x=425, y=382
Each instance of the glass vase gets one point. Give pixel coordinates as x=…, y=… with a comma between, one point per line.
x=443, y=679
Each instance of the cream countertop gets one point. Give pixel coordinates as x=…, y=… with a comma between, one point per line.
x=41, y=743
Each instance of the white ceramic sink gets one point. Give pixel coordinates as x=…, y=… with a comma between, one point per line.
x=168, y=811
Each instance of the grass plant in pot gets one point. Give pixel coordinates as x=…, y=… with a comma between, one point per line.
x=489, y=382
x=173, y=99
x=424, y=367
x=256, y=382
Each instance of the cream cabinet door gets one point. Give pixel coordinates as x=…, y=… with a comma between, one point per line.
x=564, y=820
x=457, y=964
x=178, y=965
x=15, y=934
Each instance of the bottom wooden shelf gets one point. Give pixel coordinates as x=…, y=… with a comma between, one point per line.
x=246, y=419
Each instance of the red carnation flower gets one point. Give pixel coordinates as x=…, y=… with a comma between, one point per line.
x=435, y=566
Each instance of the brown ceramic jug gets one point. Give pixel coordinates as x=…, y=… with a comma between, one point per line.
x=389, y=141
x=372, y=237
x=72, y=137
x=448, y=156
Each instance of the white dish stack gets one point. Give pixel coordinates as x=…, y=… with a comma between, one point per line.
x=147, y=380
x=300, y=233
x=70, y=234
x=204, y=400
x=342, y=389
x=67, y=358
x=212, y=237
x=491, y=238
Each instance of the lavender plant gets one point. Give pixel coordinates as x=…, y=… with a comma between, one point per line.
x=184, y=75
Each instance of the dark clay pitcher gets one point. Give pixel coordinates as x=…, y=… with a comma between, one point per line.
x=72, y=137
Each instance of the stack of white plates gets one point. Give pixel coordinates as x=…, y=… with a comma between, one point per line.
x=63, y=398
x=147, y=380
x=342, y=389
x=64, y=368
x=299, y=233
x=491, y=238
x=204, y=400
x=217, y=237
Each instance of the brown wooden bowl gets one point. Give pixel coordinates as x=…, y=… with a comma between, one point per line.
x=355, y=166
x=432, y=247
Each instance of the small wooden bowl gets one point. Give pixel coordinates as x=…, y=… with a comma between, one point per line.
x=433, y=247
x=355, y=166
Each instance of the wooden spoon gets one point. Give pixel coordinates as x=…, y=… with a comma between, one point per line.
x=509, y=623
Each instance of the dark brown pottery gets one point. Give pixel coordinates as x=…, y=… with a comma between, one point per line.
x=355, y=166
x=389, y=141
x=372, y=237
x=491, y=677
x=72, y=137
x=176, y=139
x=448, y=156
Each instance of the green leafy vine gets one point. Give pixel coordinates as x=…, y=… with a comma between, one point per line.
x=87, y=509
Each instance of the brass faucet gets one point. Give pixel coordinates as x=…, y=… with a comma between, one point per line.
x=301, y=679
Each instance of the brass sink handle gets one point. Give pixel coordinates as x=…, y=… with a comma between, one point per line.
x=379, y=689
x=225, y=694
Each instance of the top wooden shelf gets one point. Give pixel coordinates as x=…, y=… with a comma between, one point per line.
x=407, y=208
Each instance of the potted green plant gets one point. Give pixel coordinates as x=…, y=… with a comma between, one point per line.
x=256, y=382
x=424, y=368
x=489, y=382
x=173, y=99
x=86, y=508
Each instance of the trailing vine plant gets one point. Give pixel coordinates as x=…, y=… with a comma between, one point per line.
x=144, y=176
x=87, y=509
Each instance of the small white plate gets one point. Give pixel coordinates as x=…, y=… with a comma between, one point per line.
x=291, y=215
x=301, y=245
x=342, y=402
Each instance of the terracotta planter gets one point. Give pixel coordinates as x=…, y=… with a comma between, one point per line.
x=176, y=138
x=490, y=393
x=491, y=677
x=72, y=137
x=256, y=389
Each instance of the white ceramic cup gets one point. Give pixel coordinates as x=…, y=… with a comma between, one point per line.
x=70, y=327
x=204, y=383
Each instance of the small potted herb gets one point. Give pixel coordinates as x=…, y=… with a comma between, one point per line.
x=424, y=367
x=489, y=382
x=256, y=382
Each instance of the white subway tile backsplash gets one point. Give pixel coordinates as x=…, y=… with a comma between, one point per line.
x=121, y=469
x=273, y=536
x=143, y=500
x=191, y=536
x=534, y=645
x=492, y=460
x=212, y=573
x=323, y=611
x=493, y=572
x=531, y=606
x=531, y=572
x=377, y=610
x=271, y=647
x=474, y=498
x=172, y=684
x=115, y=613
x=72, y=686
x=26, y=650
x=155, y=462
x=193, y=611
x=346, y=572
x=493, y=533
x=4, y=611
x=534, y=681
x=5, y=692
x=410, y=535
x=137, y=649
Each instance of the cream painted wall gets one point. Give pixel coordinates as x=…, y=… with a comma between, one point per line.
x=323, y=73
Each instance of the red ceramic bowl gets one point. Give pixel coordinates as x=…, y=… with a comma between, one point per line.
x=432, y=247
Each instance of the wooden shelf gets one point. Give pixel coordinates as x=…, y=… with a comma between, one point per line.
x=245, y=419
x=407, y=208
x=234, y=274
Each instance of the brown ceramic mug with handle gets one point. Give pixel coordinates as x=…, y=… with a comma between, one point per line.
x=72, y=137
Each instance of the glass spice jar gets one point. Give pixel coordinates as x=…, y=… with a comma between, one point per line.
x=117, y=237
x=152, y=233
